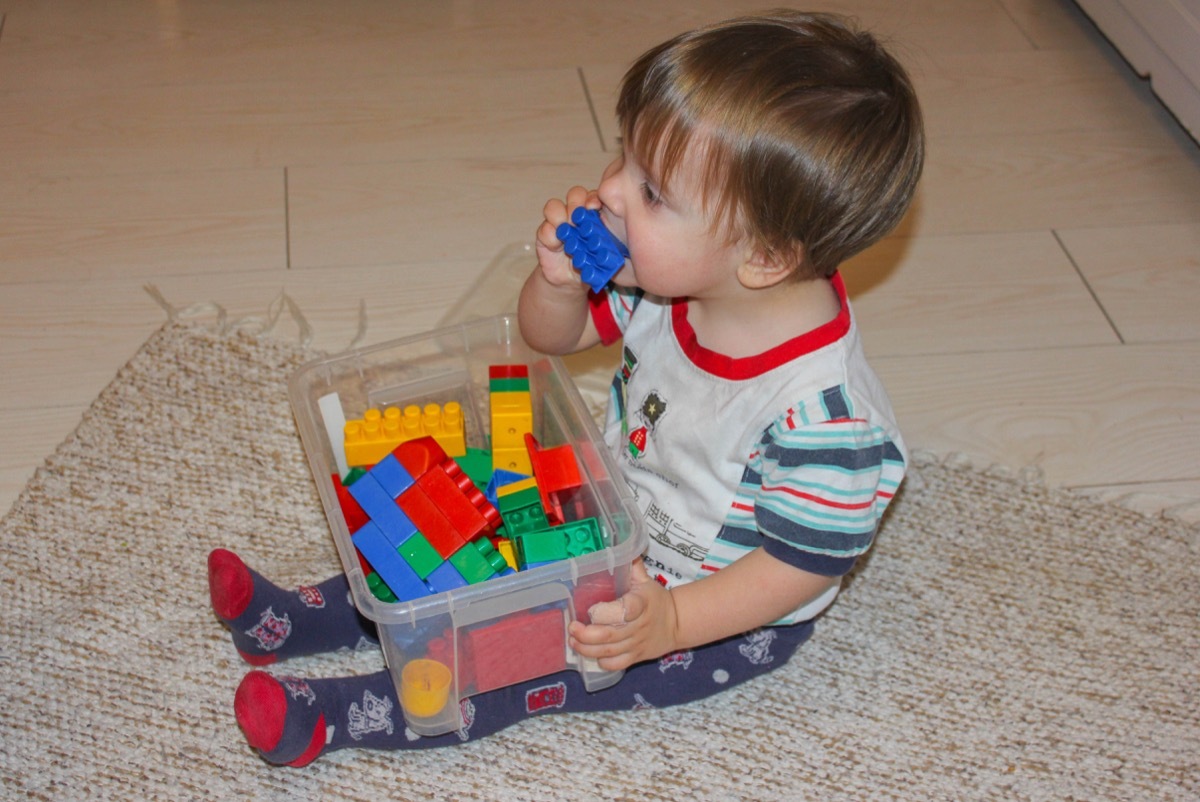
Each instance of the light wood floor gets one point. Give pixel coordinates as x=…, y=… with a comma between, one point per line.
x=1037, y=308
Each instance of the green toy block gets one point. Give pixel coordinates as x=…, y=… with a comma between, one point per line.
x=489, y=553
x=422, y=557
x=353, y=476
x=522, y=512
x=471, y=564
x=582, y=536
x=477, y=464
x=510, y=385
x=379, y=588
x=542, y=546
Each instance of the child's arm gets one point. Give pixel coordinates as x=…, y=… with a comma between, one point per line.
x=553, y=309
x=751, y=592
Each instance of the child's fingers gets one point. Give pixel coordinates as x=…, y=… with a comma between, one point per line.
x=547, y=236
x=581, y=196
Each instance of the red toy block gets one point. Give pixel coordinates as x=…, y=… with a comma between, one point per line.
x=556, y=472
x=450, y=501
x=430, y=521
x=516, y=648
x=354, y=514
x=473, y=493
x=554, y=468
x=508, y=371
x=420, y=454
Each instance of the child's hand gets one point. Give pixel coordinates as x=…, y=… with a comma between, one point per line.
x=555, y=264
x=638, y=626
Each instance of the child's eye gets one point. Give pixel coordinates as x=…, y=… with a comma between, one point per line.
x=651, y=197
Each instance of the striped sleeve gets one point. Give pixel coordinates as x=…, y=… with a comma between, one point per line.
x=815, y=489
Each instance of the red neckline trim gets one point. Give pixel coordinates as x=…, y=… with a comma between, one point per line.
x=749, y=367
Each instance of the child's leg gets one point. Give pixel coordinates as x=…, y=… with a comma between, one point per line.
x=269, y=623
x=291, y=721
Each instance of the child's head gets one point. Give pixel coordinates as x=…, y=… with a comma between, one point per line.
x=809, y=130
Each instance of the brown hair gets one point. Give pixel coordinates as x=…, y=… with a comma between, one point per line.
x=811, y=132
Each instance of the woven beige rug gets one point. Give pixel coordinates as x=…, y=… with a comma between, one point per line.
x=1002, y=641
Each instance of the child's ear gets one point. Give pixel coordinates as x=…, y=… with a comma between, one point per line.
x=766, y=269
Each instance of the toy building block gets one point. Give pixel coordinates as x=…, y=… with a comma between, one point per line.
x=511, y=417
x=393, y=569
x=540, y=547
x=521, y=508
x=470, y=562
x=496, y=661
x=556, y=472
x=353, y=514
x=593, y=249
x=505, y=548
x=582, y=536
x=392, y=476
x=422, y=557
x=458, y=507
x=420, y=454
x=493, y=557
x=554, y=468
x=477, y=464
x=368, y=439
x=431, y=521
x=515, y=371
x=500, y=478
x=334, y=418
x=445, y=577
x=425, y=687
x=380, y=505
x=379, y=588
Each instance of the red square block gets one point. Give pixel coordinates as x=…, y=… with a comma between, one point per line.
x=453, y=504
x=508, y=371
x=516, y=648
x=430, y=521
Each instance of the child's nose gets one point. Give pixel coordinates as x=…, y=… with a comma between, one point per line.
x=610, y=190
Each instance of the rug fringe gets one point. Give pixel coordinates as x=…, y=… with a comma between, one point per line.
x=255, y=323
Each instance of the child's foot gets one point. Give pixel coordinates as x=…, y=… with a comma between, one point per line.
x=291, y=721
x=270, y=623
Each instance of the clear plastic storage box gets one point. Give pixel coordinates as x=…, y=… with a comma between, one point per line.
x=446, y=647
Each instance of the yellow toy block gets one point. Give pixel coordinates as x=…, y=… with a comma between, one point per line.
x=512, y=459
x=512, y=418
x=372, y=437
x=505, y=547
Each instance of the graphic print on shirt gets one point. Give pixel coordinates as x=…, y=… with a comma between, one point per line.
x=620, y=383
x=653, y=407
x=665, y=530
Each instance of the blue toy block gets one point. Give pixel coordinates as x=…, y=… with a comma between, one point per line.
x=388, y=563
x=445, y=577
x=382, y=509
x=393, y=477
x=593, y=249
x=500, y=478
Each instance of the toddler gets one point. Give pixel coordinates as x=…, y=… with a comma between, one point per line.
x=758, y=155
